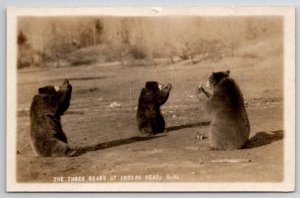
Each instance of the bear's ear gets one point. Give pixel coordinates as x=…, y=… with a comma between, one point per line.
x=47, y=90
x=214, y=73
x=227, y=72
x=41, y=90
x=148, y=84
x=152, y=85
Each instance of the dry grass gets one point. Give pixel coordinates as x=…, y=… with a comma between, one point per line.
x=74, y=41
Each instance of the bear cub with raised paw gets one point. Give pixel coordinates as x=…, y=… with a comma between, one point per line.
x=149, y=118
x=46, y=135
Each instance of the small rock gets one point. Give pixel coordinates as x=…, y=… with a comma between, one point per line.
x=199, y=136
x=114, y=104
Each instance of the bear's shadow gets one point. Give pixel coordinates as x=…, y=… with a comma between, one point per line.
x=263, y=138
x=259, y=139
x=120, y=142
x=114, y=143
x=184, y=126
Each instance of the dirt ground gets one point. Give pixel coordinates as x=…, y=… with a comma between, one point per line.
x=102, y=113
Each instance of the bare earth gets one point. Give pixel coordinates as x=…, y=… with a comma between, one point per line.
x=102, y=114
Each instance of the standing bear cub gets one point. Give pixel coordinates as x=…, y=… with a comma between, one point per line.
x=229, y=128
x=149, y=118
x=46, y=135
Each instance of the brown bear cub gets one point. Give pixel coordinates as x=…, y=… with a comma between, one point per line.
x=149, y=118
x=229, y=128
x=46, y=135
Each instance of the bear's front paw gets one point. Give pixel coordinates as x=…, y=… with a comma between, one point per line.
x=200, y=87
x=72, y=153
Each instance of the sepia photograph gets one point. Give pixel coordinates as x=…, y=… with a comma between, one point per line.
x=151, y=99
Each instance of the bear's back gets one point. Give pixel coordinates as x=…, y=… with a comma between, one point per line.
x=227, y=96
x=42, y=105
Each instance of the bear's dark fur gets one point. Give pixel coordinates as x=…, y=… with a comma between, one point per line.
x=46, y=135
x=229, y=128
x=149, y=118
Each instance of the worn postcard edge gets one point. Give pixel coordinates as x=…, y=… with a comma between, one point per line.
x=288, y=14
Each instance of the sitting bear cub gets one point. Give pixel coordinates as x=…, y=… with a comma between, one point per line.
x=229, y=127
x=46, y=135
x=149, y=118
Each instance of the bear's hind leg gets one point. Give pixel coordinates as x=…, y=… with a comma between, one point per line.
x=158, y=125
x=146, y=130
x=59, y=148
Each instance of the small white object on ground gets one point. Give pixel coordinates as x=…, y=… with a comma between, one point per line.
x=114, y=104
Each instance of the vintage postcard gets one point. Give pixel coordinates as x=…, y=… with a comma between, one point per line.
x=151, y=99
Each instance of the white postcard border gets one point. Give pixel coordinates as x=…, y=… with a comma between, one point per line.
x=288, y=183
